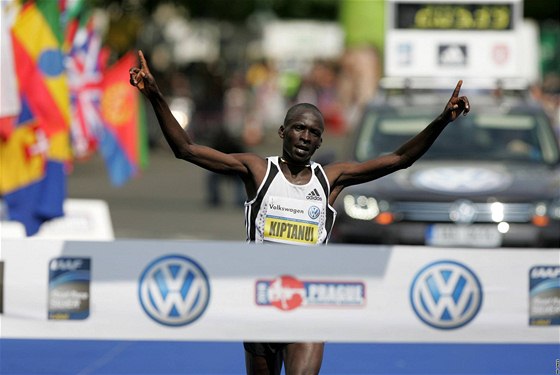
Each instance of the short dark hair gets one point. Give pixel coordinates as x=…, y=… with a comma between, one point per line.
x=297, y=108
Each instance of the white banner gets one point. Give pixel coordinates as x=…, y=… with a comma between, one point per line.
x=180, y=290
x=454, y=54
x=303, y=40
x=461, y=39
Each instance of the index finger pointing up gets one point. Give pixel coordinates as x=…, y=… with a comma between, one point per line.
x=143, y=64
x=457, y=89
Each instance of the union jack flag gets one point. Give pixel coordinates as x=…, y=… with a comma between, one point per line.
x=85, y=62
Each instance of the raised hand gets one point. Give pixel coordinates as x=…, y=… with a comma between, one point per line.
x=142, y=78
x=457, y=104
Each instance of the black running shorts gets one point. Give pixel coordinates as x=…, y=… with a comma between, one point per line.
x=264, y=349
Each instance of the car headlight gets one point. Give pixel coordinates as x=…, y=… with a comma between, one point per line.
x=544, y=212
x=361, y=207
x=554, y=209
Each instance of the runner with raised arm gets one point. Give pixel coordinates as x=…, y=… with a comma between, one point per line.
x=281, y=188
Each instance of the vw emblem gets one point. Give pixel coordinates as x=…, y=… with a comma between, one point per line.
x=174, y=290
x=314, y=212
x=446, y=295
x=463, y=212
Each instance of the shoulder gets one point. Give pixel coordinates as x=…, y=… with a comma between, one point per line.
x=255, y=164
x=251, y=159
x=347, y=173
x=335, y=170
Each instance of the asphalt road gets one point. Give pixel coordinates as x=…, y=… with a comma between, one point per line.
x=168, y=199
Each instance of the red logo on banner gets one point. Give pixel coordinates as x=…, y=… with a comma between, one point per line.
x=500, y=53
x=286, y=293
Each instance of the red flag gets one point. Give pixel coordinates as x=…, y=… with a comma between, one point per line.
x=123, y=144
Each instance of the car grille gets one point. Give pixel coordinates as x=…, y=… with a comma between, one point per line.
x=439, y=211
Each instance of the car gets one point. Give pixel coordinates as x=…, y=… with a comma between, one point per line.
x=491, y=179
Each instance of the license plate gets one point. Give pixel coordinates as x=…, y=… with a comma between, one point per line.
x=463, y=235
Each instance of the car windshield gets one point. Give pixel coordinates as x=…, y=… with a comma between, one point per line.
x=478, y=136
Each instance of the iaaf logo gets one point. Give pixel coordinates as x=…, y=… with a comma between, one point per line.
x=545, y=272
x=65, y=264
x=288, y=293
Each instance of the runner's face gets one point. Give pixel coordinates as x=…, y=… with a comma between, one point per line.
x=302, y=136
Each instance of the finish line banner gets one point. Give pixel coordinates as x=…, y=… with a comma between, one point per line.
x=226, y=291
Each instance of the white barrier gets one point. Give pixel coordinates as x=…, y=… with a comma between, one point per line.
x=179, y=290
x=83, y=220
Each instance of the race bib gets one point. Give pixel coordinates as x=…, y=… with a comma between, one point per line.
x=291, y=221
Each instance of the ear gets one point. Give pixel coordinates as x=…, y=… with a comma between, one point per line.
x=281, y=130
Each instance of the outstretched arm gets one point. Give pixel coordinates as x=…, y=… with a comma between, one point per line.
x=342, y=175
x=180, y=142
x=250, y=167
x=176, y=137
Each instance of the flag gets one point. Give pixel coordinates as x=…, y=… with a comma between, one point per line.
x=84, y=64
x=35, y=156
x=123, y=143
x=32, y=178
x=37, y=41
x=10, y=105
x=22, y=154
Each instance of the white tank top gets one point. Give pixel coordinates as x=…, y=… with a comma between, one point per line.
x=283, y=212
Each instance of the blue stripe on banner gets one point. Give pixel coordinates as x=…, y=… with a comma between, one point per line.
x=22, y=356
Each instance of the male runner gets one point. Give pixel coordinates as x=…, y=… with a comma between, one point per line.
x=277, y=189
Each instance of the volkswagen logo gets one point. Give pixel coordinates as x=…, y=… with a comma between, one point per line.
x=174, y=290
x=314, y=212
x=463, y=212
x=446, y=295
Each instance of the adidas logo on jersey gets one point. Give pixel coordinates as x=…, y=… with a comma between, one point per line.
x=313, y=196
